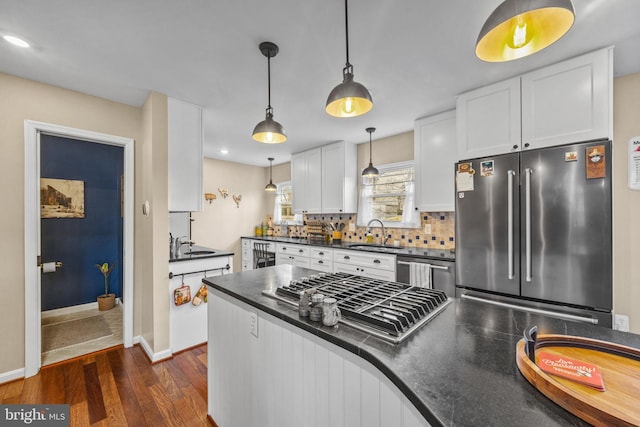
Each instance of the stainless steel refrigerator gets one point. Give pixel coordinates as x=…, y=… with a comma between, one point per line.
x=533, y=229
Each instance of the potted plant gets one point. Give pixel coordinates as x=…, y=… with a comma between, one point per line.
x=106, y=301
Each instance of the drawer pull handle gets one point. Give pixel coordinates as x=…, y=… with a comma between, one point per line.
x=376, y=261
x=300, y=250
x=321, y=253
x=320, y=262
x=347, y=257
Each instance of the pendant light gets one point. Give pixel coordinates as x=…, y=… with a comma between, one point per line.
x=349, y=98
x=370, y=171
x=271, y=187
x=518, y=28
x=269, y=131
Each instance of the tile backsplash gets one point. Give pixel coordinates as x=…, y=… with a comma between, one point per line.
x=440, y=227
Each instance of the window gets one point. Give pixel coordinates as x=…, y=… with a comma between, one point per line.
x=283, y=206
x=390, y=197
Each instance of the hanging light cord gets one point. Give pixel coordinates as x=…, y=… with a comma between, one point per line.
x=269, y=109
x=348, y=68
x=370, y=151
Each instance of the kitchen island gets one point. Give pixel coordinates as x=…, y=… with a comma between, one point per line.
x=269, y=367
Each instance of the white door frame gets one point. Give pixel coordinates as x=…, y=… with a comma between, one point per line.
x=33, y=303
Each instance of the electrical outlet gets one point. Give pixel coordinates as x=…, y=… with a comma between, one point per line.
x=621, y=323
x=352, y=227
x=253, y=323
x=427, y=229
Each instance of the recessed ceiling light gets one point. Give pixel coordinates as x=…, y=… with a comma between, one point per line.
x=224, y=151
x=16, y=41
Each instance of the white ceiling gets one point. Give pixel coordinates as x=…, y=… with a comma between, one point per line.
x=413, y=55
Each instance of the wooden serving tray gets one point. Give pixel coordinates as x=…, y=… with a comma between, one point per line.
x=618, y=405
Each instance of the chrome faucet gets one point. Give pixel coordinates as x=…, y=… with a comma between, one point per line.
x=384, y=234
x=178, y=244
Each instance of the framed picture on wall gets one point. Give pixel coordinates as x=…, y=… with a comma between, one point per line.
x=61, y=198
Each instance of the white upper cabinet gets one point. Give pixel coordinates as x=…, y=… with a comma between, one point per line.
x=324, y=179
x=488, y=120
x=571, y=101
x=306, y=170
x=568, y=102
x=435, y=150
x=185, y=156
x=339, y=161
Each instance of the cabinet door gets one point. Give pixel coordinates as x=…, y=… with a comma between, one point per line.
x=488, y=121
x=435, y=151
x=299, y=182
x=568, y=102
x=314, y=181
x=339, y=163
x=185, y=156
x=306, y=171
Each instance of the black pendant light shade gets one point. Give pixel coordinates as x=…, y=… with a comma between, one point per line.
x=269, y=131
x=271, y=187
x=370, y=171
x=349, y=98
x=518, y=28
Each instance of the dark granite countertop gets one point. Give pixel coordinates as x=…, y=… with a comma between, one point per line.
x=197, y=252
x=458, y=370
x=425, y=253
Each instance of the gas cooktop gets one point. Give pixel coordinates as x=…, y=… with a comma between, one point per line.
x=388, y=310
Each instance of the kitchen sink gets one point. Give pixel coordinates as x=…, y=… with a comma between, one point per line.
x=199, y=252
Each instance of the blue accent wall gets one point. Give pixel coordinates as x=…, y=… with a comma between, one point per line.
x=81, y=243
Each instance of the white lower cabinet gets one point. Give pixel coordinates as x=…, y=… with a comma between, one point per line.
x=321, y=259
x=188, y=322
x=285, y=376
x=247, y=252
x=375, y=266
x=292, y=254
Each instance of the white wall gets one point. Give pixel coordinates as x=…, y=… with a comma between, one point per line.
x=626, y=213
x=221, y=223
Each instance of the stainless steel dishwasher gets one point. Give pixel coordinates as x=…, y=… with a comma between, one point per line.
x=442, y=274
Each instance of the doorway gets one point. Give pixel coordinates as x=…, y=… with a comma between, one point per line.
x=54, y=297
x=81, y=221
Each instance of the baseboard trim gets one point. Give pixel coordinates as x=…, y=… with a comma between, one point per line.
x=72, y=309
x=154, y=357
x=7, y=377
x=68, y=310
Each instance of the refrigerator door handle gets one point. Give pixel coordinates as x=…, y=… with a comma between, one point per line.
x=510, y=175
x=527, y=221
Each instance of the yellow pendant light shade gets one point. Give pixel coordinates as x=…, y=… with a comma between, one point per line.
x=349, y=98
x=269, y=131
x=518, y=28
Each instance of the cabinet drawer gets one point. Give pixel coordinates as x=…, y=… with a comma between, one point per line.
x=363, y=259
x=287, y=249
x=374, y=273
x=246, y=243
x=321, y=253
x=300, y=261
x=321, y=264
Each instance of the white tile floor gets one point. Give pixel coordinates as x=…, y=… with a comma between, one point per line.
x=113, y=318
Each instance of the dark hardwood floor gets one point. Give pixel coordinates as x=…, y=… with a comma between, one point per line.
x=120, y=387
